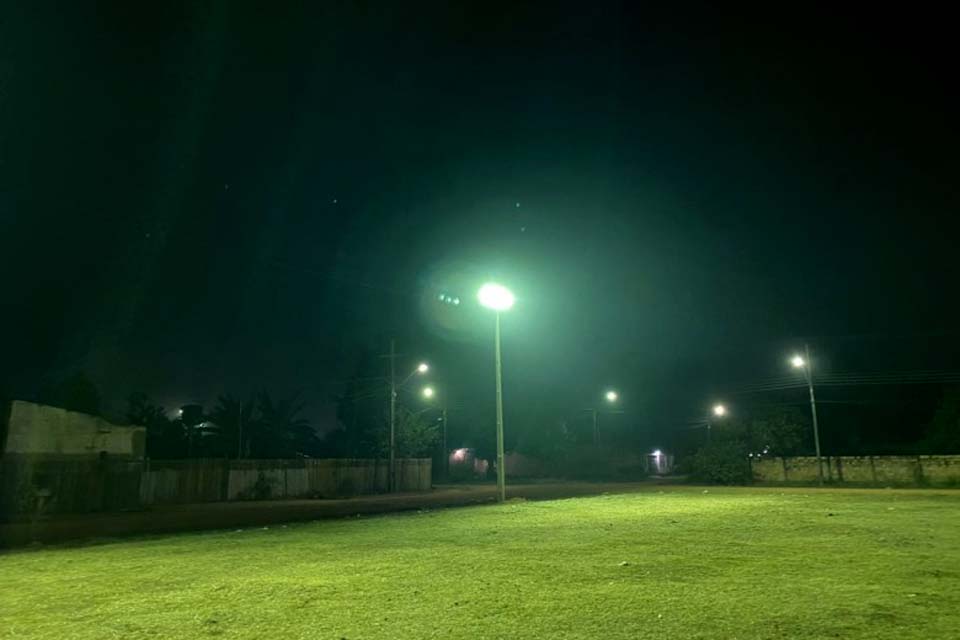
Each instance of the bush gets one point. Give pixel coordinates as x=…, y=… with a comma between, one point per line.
x=723, y=463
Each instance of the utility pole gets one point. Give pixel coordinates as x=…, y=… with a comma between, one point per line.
x=240, y=430
x=501, y=472
x=446, y=454
x=813, y=413
x=391, y=470
x=596, y=427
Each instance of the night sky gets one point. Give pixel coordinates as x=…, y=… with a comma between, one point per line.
x=207, y=197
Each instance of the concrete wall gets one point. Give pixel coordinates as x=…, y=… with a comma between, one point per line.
x=874, y=470
x=36, y=429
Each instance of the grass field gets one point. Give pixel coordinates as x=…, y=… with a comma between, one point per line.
x=671, y=563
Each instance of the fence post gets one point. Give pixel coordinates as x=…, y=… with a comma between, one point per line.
x=225, y=480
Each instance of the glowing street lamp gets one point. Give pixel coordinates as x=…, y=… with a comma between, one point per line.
x=428, y=392
x=611, y=397
x=499, y=298
x=719, y=411
x=804, y=363
x=420, y=369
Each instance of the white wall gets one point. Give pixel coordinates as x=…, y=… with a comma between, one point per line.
x=39, y=429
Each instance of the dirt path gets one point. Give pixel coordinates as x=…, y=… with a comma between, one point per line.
x=225, y=515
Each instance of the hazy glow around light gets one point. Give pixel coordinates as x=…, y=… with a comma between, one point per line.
x=496, y=297
x=612, y=396
x=423, y=367
x=719, y=410
x=428, y=392
x=657, y=453
x=797, y=361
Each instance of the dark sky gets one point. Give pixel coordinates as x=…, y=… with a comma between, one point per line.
x=202, y=197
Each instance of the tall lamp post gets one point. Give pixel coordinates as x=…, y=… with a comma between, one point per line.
x=429, y=393
x=497, y=297
x=421, y=369
x=719, y=411
x=799, y=362
x=611, y=397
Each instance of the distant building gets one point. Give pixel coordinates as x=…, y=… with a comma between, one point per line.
x=36, y=430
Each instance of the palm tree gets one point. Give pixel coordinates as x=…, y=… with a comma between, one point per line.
x=237, y=420
x=284, y=432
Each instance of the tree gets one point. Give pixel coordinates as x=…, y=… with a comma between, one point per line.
x=416, y=437
x=723, y=462
x=778, y=431
x=76, y=392
x=141, y=410
x=165, y=437
x=361, y=411
x=770, y=430
x=237, y=420
x=282, y=432
x=943, y=431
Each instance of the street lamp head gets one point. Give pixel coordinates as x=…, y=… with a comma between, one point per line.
x=798, y=362
x=719, y=410
x=612, y=396
x=428, y=392
x=423, y=367
x=496, y=297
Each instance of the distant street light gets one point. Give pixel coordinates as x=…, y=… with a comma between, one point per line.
x=719, y=411
x=804, y=363
x=611, y=397
x=429, y=393
x=499, y=298
x=421, y=368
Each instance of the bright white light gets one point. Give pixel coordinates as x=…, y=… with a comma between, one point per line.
x=719, y=410
x=797, y=361
x=496, y=297
x=459, y=455
x=612, y=396
x=657, y=453
x=456, y=301
x=428, y=392
x=423, y=367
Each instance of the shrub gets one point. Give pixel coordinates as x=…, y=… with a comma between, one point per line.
x=723, y=463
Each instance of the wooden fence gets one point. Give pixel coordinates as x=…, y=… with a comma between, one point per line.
x=76, y=485
x=180, y=481
x=54, y=484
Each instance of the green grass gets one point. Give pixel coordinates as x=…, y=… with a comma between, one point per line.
x=723, y=563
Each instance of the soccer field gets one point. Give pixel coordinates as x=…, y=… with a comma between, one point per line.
x=676, y=562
